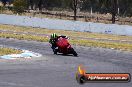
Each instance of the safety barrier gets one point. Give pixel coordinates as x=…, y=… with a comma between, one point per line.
x=66, y=24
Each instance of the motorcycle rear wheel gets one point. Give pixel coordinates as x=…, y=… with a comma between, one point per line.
x=74, y=52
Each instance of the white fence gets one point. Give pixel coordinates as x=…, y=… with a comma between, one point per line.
x=66, y=24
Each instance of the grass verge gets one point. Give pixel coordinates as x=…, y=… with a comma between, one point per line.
x=64, y=32
x=118, y=46
x=24, y=37
x=75, y=41
x=6, y=51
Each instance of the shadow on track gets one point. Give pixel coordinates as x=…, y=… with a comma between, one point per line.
x=60, y=54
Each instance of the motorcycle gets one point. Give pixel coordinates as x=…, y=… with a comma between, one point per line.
x=64, y=47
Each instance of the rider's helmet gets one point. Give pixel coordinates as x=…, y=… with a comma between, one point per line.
x=53, y=36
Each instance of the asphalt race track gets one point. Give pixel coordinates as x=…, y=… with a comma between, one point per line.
x=59, y=71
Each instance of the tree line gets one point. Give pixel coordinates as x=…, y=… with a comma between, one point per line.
x=114, y=7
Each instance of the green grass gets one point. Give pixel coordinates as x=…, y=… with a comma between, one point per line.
x=6, y=51
x=24, y=37
x=118, y=46
x=74, y=37
x=64, y=32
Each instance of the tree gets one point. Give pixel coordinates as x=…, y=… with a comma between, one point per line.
x=111, y=6
x=19, y=6
x=75, y=8
x=4, y=2
x=101, y=6
x=40, y=4
x=125, y=7
x=114, y=10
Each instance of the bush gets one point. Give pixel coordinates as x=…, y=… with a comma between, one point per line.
x=19, y=6
x=2, y=9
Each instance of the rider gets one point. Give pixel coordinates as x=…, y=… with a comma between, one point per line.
x=53, y=38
